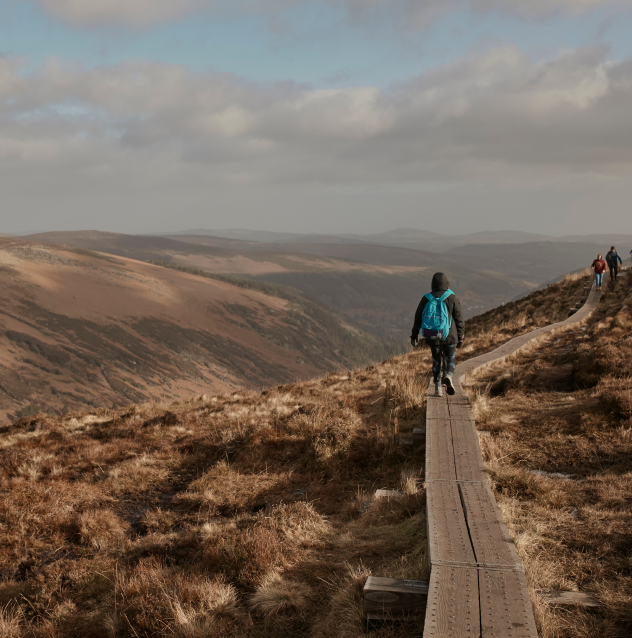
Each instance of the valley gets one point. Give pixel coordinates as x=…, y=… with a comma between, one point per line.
x=81, y=329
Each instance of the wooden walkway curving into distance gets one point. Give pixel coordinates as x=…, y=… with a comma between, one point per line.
x=477, y=583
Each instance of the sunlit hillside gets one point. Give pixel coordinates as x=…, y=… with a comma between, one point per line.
x=249, y=513
x=81, y=329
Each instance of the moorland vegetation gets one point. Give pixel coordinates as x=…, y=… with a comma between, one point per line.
x=243, y=514
x=556, y=424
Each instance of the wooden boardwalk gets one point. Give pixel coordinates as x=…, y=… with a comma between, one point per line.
x=477, y=584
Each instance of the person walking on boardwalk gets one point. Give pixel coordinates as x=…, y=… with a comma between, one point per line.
x=614, y=261
x=599, y=268
x=440, y=321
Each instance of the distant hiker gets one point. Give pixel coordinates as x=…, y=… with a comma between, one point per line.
x=614, y=261
x=440, y=320
x=599, y=268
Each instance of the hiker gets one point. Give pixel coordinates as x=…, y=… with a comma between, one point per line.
x=599, y=268
x=440, y=320
x=612, y=258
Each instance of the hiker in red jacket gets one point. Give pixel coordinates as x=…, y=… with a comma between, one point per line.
x=599, y=268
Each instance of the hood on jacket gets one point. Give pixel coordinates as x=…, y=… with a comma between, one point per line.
x=440, y=282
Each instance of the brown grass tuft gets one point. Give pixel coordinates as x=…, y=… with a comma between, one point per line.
x=277, y=596
x=11, y=618
x=102, y=528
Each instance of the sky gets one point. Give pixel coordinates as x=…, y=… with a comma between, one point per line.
x=316, y=115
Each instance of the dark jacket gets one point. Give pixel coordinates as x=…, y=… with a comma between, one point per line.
x=440, y=284
x=612, y=257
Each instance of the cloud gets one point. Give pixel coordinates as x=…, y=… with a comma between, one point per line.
x=118, y=12
x=409, y=13
x=494, y=118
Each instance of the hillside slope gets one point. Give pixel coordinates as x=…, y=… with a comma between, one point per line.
x=377, y=286
x=557, y=442
x=240, y=515
x=80, y=329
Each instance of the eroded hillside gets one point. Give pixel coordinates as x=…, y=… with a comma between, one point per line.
x=80, y=329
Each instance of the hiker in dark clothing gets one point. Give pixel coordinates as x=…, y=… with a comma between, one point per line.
x=439, y=346
x=614, y=261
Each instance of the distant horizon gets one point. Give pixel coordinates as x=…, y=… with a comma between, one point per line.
x=235, y=230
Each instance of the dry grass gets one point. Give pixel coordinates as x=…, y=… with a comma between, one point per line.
x=564, y=409
x=277, y=596
x=232, y=515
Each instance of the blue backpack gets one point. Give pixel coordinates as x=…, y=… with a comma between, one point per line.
x=435, y=320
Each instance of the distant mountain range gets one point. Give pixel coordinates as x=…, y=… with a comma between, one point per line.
x=412, y=238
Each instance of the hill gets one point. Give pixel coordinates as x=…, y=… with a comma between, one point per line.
x=245, y=514
x=79, y=328
x=377, y=286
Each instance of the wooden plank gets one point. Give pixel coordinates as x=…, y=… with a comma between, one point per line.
x=505, y=605
x=439, y=452
x=453, y=604
x=568, y=598
x=491, y=542
x=395, y=595
x=468, y=460
x=437, y=408
x=461, y=412
x=448, y=536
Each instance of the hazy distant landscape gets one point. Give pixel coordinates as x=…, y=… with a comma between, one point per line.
x=374, y=280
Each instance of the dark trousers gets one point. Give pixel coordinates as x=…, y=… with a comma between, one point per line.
x=614, y=270
x=444, y=351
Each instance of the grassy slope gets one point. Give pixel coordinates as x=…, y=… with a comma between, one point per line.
x=384, y=304
x=565, y=406
x=80, y=329
x=235, y=515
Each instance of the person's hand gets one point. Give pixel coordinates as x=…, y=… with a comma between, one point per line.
x=414, y=341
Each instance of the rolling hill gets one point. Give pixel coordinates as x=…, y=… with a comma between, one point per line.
x=377, y=286
x=79, y=328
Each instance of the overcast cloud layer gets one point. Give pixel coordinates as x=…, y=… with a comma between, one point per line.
x=415, y=13
x=495, y=138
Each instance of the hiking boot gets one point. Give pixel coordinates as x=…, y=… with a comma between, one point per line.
x=447, y=381
x=438, y=389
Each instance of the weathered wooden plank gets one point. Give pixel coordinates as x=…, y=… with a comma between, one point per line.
x=468, y=460
x=569, y=598
x=491, y=542
x=453, y=603
x=439, y=452
x=448, y=536
x=505, y=605
x=437, y=409
x=395, y=595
